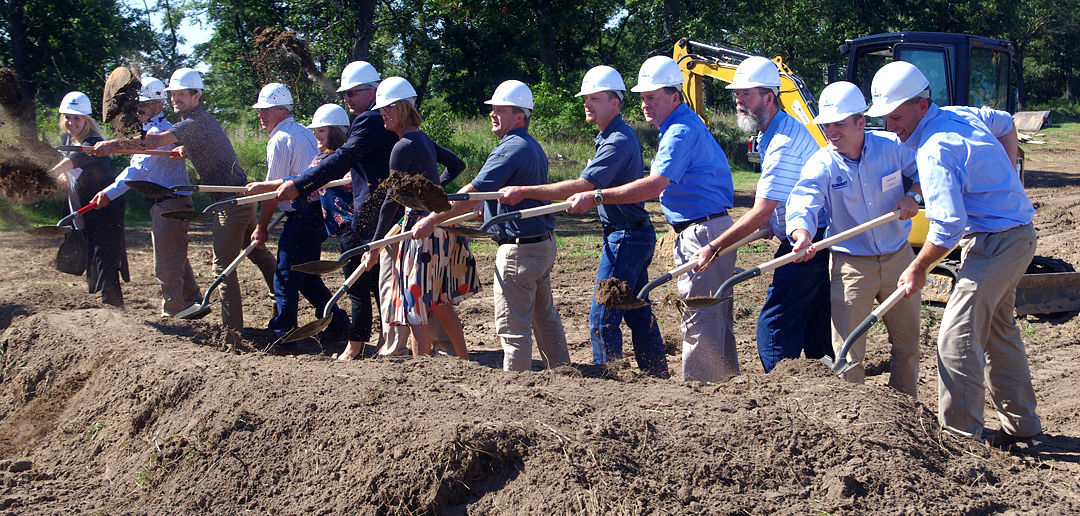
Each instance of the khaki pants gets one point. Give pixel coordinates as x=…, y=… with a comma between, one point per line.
x=979, y=338
x=394, y=340
x=708, y=349
x=855, y=283
x=171, y=266
x=232, y=233
x=524, y=306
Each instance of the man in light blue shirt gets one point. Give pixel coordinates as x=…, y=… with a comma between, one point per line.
x=974, y=198
x=171, y=266
x=858, y=177
x=795, y=317
x=690, y=174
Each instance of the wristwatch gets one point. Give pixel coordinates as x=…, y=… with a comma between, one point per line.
x=597, y=197
x=916, y=196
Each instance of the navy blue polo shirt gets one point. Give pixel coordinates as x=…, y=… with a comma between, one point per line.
x=617, y=162
x=518, y=160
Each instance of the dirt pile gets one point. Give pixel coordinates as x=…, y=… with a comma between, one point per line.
x=24, y=169
x=426, y=193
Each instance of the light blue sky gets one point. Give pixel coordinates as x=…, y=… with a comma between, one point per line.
x=191, y=30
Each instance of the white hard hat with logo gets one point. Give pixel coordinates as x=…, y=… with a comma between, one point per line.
x=601, y=78
x=838, y=101
x=392, y=90
x=658, y=72
x=75, y=103
x=273, y=94
x=894, y=84
x=151, y=89
x=329, y=115
x=357, y=73
x=185, y=79
x=756, y=72
x=512, y=93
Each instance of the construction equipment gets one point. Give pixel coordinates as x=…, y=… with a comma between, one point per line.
x=962, y=70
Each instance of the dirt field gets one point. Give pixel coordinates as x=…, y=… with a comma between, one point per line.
x=108, y=411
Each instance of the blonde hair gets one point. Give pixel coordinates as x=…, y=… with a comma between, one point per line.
x=407, y=113
x=91, y=128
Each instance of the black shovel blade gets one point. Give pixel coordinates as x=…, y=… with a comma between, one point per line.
x=308, y=330
x=630, y=305
x=466, y=232
x=409, y=201
x=187, y=216
x=196, y=311
x=149, y=188
x=319, y=266
x=840, y=366
x=48, y=231
x=703, y=301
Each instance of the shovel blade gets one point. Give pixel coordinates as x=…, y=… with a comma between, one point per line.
x=840, y=366
x=196, y=311
x=630, y=305
x=308, y=330
x=319, y=266
x=409, y=201
x=704, y=301
x=149, y=188
x=466, y=232
x=48, y=231
x=188, y=216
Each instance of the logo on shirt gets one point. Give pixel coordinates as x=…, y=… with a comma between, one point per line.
x=840, y=183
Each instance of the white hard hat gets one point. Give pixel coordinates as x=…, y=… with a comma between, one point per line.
x=273, y=94
x=392, y=90
x=658, y=72
x=838, y=101
x=894, y=84
x=75, y=103
x=151, y=89
x=357, y=73
x=755, y=72
x=601, y=78
x=512, y=93
x=185, y=79
x=329, y=115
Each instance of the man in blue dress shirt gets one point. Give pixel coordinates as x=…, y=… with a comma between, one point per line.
x=858, y=177
x=629, y=238
x=974, y=198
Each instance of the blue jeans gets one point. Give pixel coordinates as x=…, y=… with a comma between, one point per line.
x=626, y=256
x=301, y=240
x=796, y=314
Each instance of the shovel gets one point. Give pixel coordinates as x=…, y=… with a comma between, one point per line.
x=318, y=325
x=87, y=148
x=642, y=296
x=202, y=309
x=417, y=203
x=753, y=272
x=195, y=216
x=152, y=189
x=525, y=214
x=60, y=228
x=325, y=266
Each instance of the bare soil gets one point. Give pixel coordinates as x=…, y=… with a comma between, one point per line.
x=109, y=411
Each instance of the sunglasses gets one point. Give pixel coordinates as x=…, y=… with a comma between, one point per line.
x=351, y=93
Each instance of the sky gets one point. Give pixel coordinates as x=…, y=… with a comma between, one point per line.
x=191, y=30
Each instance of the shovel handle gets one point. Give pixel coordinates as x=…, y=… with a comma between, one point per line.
x=240, y=201
x=525, y=214
x=236, y=262
x=213, y=188
x=474, y=196
x=689, y=266
x=88, y=148
x=874, y=316
x=67, y=218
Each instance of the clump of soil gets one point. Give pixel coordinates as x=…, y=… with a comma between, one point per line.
x=271, y=42
x=802, y=368
x=24, y=170
x=120, y=103
x=427, y=193
x=614, y=292
x=11, y=99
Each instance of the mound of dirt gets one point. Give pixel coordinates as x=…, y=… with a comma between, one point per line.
x=24, y=170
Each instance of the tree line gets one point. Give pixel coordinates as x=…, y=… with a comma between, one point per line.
x=455, y=52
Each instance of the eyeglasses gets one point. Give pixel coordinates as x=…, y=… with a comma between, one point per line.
x=351, y=93
x=737, y=94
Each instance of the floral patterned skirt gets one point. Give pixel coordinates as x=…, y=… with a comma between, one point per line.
x=436, y=270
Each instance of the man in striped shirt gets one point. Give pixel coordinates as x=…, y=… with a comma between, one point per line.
x=795, y=318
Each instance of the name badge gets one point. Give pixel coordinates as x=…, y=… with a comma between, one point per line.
x=891, y=181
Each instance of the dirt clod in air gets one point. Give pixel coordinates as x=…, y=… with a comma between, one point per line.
x=11, y=99
x=272, y=46
x=614, y=292
x=120, y=103
x=429, y=194
x=24, y=170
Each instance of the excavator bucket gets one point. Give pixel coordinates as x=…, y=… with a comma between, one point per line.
x=1048, y=293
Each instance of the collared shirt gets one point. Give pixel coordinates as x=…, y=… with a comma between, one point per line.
x=289, y=152
x=689, y=156
x=845, y=193
x=518, y=160
x=209, y=150
x=617, y=162
x=162, y=170
x=785, y=146
x=968, y=181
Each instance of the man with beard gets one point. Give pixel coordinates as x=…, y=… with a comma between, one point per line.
x=795, y=318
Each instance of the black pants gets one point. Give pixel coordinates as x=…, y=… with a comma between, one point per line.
x=361, y=293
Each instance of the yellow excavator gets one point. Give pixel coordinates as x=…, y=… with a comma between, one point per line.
x=962, y=69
